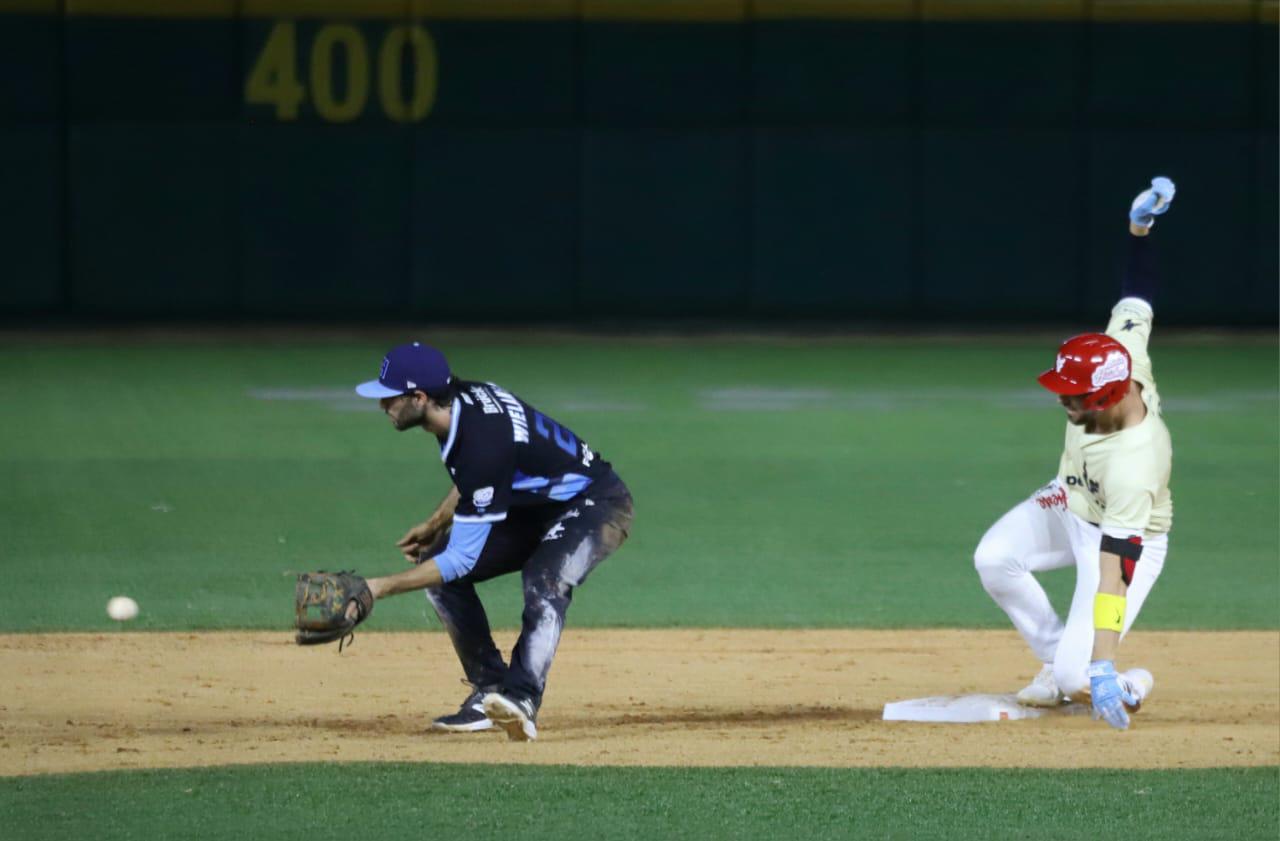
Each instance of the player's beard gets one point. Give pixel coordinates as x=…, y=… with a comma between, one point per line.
x=1077, y=414
x=409, y=417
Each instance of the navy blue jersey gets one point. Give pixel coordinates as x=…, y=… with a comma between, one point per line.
x=503, y=453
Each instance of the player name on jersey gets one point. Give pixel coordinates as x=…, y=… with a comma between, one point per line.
x=519, y=424
x=513, y=455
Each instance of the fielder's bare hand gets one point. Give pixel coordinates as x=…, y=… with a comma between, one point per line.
x=417, y=540
x=420, y=538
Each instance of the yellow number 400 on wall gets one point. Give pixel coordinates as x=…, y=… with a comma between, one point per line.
x=274, y=78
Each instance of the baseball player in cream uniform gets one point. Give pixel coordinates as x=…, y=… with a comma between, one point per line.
x=1108, y=512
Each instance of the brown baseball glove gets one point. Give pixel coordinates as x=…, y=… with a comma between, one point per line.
x=320, y=602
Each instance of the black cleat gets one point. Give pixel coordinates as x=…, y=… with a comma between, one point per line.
x=469, y=718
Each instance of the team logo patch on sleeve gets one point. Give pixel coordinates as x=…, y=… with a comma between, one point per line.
x=482, y=498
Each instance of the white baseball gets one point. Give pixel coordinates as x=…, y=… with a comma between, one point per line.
x=122, y=608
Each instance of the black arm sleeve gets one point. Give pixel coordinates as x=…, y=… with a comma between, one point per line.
x=1140, y=271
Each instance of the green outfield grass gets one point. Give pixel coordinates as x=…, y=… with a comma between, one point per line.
x=552, y=802
x=777, y=483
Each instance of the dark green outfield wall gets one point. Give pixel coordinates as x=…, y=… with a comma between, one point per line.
x=562, y=161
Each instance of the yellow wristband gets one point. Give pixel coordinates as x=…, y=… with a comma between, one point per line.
x=1108, y=612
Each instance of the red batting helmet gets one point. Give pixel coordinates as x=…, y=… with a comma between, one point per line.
x=1094, y=365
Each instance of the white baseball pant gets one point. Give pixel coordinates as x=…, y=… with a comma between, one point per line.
x=1042, y=534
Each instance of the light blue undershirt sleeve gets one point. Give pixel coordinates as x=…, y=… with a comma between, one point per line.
x=466, y=541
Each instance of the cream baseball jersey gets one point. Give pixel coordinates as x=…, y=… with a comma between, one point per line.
x=1120, y=480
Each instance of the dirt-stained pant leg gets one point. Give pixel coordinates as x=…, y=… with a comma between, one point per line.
x=459, y=607
x=463, y=616
x=579, y=539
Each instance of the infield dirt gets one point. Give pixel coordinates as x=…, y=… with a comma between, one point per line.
x=80, y=702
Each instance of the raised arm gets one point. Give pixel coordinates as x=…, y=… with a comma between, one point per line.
x=1122, y=546
x=1140, y=274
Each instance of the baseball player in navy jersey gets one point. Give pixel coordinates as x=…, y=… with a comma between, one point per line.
x=1108, y=511
x=528, y=495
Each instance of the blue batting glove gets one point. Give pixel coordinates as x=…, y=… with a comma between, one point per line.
x=1153, y=202
x=1108, y=697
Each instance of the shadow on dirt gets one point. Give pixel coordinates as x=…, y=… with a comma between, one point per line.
x=799, y=714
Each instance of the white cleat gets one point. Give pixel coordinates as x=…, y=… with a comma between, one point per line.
x=1042, y=692
x=516, y=717
x=1140, y=682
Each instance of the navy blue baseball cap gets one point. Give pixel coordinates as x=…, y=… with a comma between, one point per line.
x=411, y=367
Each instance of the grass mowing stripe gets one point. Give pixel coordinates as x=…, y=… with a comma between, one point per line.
x=384, y=801
x=860, y=475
